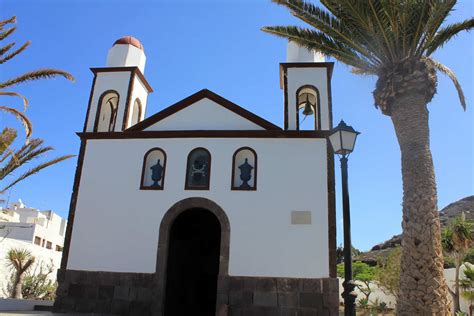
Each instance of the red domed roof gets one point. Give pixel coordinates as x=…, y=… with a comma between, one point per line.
x=130, y=41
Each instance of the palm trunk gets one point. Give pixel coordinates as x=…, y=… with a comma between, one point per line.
x=457, y=306
x=17, y=286
x=423, y=289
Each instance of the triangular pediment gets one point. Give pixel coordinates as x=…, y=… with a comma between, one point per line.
x=204, y=110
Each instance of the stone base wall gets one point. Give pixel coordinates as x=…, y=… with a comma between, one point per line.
x=104, y=292
x=132, y=294
x=249, y=296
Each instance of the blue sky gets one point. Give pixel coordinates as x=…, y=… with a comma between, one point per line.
x=191, y=45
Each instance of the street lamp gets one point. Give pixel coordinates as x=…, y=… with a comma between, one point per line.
x=343, y=139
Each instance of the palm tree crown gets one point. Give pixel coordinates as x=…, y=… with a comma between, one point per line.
x=7, y=54
x=390, y=39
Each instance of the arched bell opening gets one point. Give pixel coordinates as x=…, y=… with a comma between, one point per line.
x=308, y=108
x=107, y=112
x=136, y=112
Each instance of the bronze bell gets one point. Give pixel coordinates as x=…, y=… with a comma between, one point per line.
x=308, y=109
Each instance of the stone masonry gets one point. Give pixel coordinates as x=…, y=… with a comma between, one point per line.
x=113, y=293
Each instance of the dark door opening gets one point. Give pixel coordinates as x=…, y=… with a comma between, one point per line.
x=193, y=264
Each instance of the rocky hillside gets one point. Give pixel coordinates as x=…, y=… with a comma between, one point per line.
x=451, y=211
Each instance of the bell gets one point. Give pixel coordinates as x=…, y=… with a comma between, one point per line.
x=308, y=109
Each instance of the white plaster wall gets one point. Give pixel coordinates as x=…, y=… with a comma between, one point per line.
x=124, y=55
x=20, y=231
x=41, y=255
x=297, y=77
x=116, y=225
x=205, y=114
x=117, y=81
x=298, y=54
x=52, y=230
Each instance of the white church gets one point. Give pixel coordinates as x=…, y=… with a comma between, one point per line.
x=203, y=208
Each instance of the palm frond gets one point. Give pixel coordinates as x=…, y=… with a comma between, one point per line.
x=35, y=170
x=314, y=40
x=21, y=117
x=448, y=72
x=26, y=153
x=7, y=137
x=446, y=34
x=6, y=48
x=7, y=33
x=15, y=94
x=35, y=75
x=14, y=53
x=358, y=71
x=7, y=21
x=438, y=12
x=330, y=26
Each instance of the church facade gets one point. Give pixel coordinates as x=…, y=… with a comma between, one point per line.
x=203, y=208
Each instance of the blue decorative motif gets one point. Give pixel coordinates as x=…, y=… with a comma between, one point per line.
x=245, y=174
x=156, y=173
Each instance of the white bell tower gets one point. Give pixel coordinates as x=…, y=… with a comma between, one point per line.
x=119, y=91
x=306, y=81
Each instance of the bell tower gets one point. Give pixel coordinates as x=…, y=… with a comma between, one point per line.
x=119, y=91
x=306, y=81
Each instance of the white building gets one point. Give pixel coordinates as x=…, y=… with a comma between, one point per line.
x=203, y=208
x=43, y=228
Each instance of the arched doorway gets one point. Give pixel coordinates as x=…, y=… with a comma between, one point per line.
x=193, y=256
x=193, y=264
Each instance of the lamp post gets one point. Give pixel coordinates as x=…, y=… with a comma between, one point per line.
x=343, y=139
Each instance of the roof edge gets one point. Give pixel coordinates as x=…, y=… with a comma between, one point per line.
x=204, y=93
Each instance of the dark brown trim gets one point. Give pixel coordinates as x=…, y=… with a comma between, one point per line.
x=163, y=244
x=331, y=211
x=186, y=186
x=327, y=65
x=137, y=100
x=89, y=104
x=284, y=85
x=332, y=227
x=72, y=204
x=329, y=77
x=199, y=96
x=99, y=109
x=128, y=99
x=317, y=115
x=123, y=69
x=162, y=186
x=255, y=170
x=285, y=91
x=205, y=134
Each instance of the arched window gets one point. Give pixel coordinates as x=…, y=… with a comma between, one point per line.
x=308, y=113
x=244, y=169
x=106, y=112
x=136, y=112
x=198, y=170
x=153, y=170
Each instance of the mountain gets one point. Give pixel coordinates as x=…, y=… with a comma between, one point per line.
x=448, y=213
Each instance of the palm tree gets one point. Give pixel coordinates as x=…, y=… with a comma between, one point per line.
x=456, y=240
x=467, y=285
x=11, y=160
x=5, y=55
x=394, y=40
x=20, y=260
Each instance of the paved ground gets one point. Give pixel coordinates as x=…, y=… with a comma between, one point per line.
x=28, y=313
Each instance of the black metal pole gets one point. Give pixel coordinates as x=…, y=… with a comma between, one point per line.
x=348, y=294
